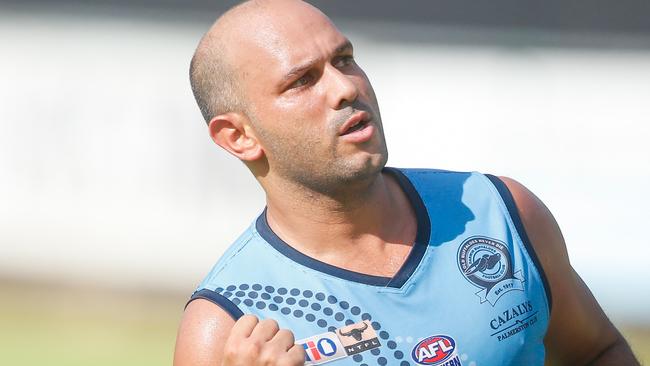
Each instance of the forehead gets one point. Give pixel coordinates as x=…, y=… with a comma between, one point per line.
x=271, y=45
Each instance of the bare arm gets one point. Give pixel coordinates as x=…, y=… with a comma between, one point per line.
x=208, y=336
x=202, y=334
x=579, y=332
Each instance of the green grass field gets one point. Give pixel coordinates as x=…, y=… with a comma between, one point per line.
x=64, y=326
x=67, y=326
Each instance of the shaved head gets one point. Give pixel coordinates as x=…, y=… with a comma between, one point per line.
x=212, y=79
x=214, y=76
x=213, y=84
x=279, y=87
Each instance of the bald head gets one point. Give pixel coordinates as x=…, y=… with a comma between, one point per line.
x=280, y=88
x=212, y=79
x=218, y=68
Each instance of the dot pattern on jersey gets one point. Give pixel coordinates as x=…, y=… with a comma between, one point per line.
x=327, y=311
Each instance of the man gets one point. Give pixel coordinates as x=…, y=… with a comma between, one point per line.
x=357, y=264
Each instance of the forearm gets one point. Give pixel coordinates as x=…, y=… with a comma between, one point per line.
x=618, y=353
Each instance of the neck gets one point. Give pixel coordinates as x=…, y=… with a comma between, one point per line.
x=366, y=216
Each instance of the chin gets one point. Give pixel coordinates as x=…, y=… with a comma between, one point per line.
x=369, y=166
x=330, y=176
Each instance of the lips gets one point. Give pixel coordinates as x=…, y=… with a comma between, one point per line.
x=356, y=122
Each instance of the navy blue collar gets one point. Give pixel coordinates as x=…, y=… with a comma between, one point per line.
x=404, y=273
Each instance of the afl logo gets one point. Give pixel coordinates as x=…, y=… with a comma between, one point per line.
x=436, y=350
x=486, y=263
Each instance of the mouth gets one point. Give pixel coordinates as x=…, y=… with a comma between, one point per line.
x=358, y=121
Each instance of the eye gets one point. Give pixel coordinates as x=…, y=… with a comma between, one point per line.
x=302, y=81
x=343, y=61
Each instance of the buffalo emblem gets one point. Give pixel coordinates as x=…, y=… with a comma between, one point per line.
x=356, y=333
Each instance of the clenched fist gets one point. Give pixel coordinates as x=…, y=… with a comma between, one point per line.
x=255, y=343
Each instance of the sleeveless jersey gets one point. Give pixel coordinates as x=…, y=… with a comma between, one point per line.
x=471, y=291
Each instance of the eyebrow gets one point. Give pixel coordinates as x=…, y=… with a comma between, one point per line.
x=345, y=46
x=298, y=70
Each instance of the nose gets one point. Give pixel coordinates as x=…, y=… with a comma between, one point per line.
x=342, y=89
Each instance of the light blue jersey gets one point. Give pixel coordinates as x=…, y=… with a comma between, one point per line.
x=471, y=291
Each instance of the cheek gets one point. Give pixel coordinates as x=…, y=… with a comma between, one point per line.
x=301, y=102
x=292, y=126
x=303, y=111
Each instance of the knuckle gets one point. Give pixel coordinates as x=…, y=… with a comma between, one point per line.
x=231, y=346
x=299, y=351
x=231, y=352
x=248, y=318
x=252, y=347
x=267, y=358
x=295, y=356
x=270, y=324
x=285, y=335
x=245, y=322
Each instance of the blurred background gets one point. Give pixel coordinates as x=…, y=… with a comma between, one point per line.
x=114, y=202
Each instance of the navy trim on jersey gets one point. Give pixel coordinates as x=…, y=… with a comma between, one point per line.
x=506, y=195
x=423, y=230
x=404, y=273
x=219, y=300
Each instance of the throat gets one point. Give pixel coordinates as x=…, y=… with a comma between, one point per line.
x=386, y=263
x=372, y=238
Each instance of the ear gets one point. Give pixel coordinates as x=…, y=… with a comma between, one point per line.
x=232, y=131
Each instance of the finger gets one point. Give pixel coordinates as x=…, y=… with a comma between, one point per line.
x=244, y=326
x=295, y=355
x=284, y=339
x=265, y=330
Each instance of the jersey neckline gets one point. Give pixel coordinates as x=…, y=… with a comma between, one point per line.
x=403, y=274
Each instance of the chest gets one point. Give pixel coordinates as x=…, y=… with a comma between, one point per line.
x=438, y=318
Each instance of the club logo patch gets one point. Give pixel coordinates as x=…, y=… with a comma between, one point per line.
x=436, y=350
x=487, y=264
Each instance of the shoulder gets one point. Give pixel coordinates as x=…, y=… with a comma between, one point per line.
x=202, y=334
x=239, y=253
x=541, y=227
x=209, y=317
x=578, y=331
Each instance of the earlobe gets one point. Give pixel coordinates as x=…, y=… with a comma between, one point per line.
x=232, y=132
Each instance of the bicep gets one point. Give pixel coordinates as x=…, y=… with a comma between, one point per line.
x=202, y=334
x=578, y=328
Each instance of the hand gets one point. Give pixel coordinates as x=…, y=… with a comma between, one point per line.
x=256, y=343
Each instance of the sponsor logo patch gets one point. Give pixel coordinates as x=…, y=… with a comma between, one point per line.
x=513, y=320
x=343, y=342
x=358, y=337
x=322, y=348
x=436, y=350
x=487, y=264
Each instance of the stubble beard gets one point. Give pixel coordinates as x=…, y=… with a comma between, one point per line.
x=302, y=164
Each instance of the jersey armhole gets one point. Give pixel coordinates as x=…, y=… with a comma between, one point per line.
x=219, y=300
x=509, y=201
